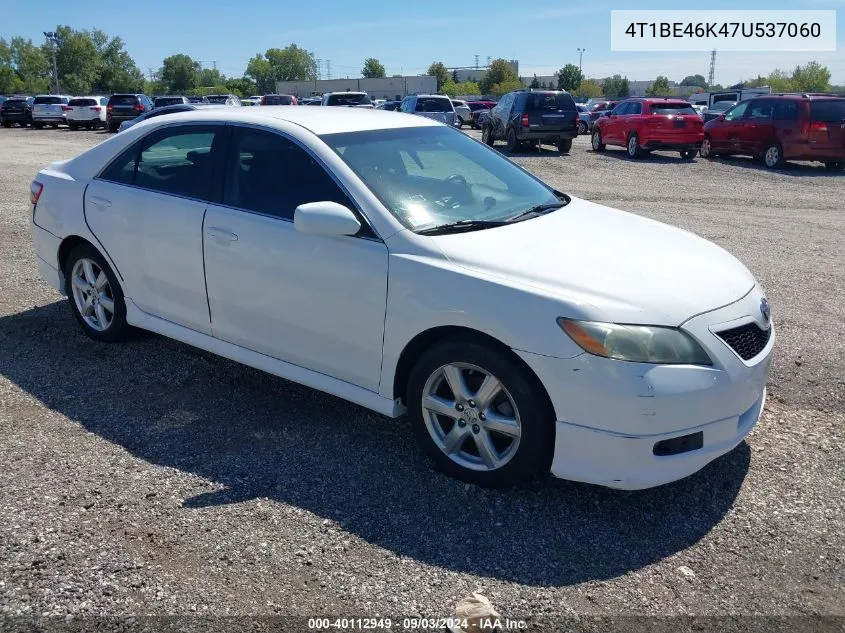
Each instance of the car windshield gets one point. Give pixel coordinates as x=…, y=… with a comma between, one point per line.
x=830, y=111
x=351, y=99
x=166, y=101
x=433, y=176
x=672, y=108
x=549, y=101
x=277, y=100
x=47, y=100
x=433, y=104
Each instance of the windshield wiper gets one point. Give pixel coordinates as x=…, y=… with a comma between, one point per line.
x=462, y=225
x=539, y=209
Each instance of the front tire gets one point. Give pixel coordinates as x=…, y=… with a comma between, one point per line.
x=479, y=416
x=73, y=127
x=597, y=144
x=95, y=296
x=487, y=136
x=688, y=154
x=773, y=156
x=460, y=122
x=706, y=149
x=633, y=146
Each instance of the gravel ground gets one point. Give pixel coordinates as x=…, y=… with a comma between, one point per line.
x=154, y=479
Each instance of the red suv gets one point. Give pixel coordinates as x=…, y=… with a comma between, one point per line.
x=775, y=128
x=644, y=124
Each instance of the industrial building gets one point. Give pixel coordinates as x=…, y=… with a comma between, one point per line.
x=378, y=87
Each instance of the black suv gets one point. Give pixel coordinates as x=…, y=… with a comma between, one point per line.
x=16, y=110
x=124, y=107
x=545, y=116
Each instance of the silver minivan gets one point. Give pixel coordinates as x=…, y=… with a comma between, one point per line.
x=437, y=107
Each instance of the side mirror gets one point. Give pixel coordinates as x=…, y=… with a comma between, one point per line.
x=721, y=117
x=325, y=218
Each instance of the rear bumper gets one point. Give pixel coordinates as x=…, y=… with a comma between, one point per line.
x=672, y=145
x=16, y=117
x=48, y=118
x=46, y=256
x=120, y=118
x=526, y=135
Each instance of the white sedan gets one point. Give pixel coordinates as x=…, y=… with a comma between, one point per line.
x=397, y=263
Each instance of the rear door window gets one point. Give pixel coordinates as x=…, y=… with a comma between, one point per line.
x=786, y=110
x=830, y=111
x=178, y=161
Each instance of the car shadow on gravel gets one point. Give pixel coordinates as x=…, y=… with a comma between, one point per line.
x=665, y=157
x=258, y=436
x=790, y=168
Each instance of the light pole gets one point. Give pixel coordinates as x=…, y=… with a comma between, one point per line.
x=53, y=40
x=581, y=52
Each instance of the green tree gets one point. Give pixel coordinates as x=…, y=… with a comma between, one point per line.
x=373, y=68
x=694, y=80
x=241, y=86
x=590, y=89
x=455, y=76
x=812, y=77
x=179, y=73
x=469, y=88
x=30, y=65
x=281, y=64
x=439, y=70
x=78, y=61
x=569, y=78
x=118, y=71
x=211, y=77
x=9, y=80
x=498, y=74
x=451, y=88
x=504, y=87
x=616, y=86
x=535, y=83
x=659, y=88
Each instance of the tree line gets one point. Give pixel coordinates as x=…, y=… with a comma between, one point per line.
x=92, y=62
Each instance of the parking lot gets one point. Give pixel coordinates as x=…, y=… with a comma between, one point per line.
x=155, y=478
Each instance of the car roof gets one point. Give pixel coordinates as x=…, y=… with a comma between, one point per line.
x=317, y=120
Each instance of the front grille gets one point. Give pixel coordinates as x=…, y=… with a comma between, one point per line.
x=746, y=340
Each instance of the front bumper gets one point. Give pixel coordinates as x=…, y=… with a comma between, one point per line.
x=611, y=415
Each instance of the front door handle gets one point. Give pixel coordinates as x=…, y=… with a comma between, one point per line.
x=100, y=202
x=221, y=234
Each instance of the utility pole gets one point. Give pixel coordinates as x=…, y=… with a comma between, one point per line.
x=151, y=73
x=53, y=40
x=328, y=69
x=214, y=64
x=712, y=75
x=476, y=61
x=581, y=52
x=319, y=68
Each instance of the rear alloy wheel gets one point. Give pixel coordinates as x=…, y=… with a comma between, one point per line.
x=564, y=145
x=598, y=146
x=582, y=128
x=487, y=136
x=512, y=144
x=633, y=146
x=95, y=296
x=773, y=156
x=478, y=416
x=688, y=154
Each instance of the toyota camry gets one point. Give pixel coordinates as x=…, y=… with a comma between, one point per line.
x=397, y=263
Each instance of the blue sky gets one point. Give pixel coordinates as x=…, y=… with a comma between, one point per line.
x=407, y=35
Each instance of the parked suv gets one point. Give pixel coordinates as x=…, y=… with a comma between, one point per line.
x=776, y=128
x=544, y=116
x=437, y=107
x=647, y=124
x=88, y=112
x=49, y=109
x=124, y=107
x=16, y=110
x=348, y=99
x=160, y=102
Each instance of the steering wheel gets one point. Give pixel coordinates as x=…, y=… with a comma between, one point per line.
x=458, y=179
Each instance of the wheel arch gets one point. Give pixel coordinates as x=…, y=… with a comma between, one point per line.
x=66, y=248
x=433, y=336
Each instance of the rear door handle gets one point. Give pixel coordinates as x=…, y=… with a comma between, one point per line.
x=221, y=234
x=100, y=202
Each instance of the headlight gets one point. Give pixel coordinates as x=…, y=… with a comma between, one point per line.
x=636, y=343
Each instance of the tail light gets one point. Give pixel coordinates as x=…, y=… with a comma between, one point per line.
x=96, y=108
x=138, y=107
x=818, y=126
x=66, y=108
x=109, y=108
x=35, y=190
x=525, y=122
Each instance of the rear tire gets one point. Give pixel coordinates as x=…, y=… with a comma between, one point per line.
x=582, y=128
x=598, y=146
x=688, y=154
x=92, y=287
x=512, y=144
x=55, y=126
x=73, y=126
x=461, y=440
x=460, y=123
x=773, y=156
x=7, y=124
x=564, y=145
x=112, y=128
x=706, y=149
x=632, y=147
x=38, y=126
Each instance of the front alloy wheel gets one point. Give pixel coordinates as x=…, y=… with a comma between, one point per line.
x=598, y=146
x=773, y=156
x=633, y=146
x=480, y=415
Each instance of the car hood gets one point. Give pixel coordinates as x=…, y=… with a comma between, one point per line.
x=613, y=265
